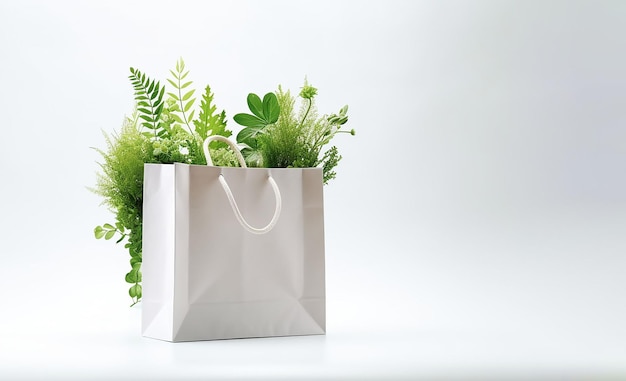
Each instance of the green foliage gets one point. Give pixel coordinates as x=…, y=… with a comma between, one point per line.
x=154, y=134
x=174, y=149
x=160, y=131
x=121, y=180
x=283, y=145
x=329, y=162
x=210, y=122
x=149, y=98
x=182, y=96
x=263, y=114
x=107, y=231
x=297, y=140
x=224, y=157
x=121, y=185
x=135, y=292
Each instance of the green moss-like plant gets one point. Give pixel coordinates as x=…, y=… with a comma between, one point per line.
x=121, y=186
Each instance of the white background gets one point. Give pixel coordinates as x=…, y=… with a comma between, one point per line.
x=476, y=228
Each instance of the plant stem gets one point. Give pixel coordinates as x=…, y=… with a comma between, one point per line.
x=306, y=113
x=182, y=106
x=155, y=122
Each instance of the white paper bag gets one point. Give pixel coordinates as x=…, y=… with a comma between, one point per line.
x=232, y=252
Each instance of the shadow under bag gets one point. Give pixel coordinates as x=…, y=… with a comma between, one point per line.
x=232, y=252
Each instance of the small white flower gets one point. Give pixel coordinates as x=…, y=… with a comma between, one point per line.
x=184, y=150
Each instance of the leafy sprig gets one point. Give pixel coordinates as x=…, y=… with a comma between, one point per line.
x=107, y=231
x=184, y=98
x=264, y=113
x=134, y=276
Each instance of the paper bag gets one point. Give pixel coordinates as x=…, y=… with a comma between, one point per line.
x=232, y=252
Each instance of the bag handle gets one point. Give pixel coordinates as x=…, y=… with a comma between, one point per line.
x=219, y=138
x=229, y=193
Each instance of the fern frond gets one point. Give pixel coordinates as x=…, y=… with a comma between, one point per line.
x=149, y=98
x=210, y=122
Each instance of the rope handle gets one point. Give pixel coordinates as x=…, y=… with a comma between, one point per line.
x=229, y=193
x=219, y=138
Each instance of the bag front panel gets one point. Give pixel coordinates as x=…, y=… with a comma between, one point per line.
x=240, y=284
x=230, y=283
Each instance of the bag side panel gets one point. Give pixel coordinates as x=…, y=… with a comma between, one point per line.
x=158, y=251
x=313, y=298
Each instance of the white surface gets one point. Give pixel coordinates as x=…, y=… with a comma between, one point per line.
x=489, y=243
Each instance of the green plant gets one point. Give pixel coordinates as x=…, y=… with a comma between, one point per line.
x=275, y=136
x=264, y=113
x=164, y=129
x=149, y=98
x=120, y=184
x=159, y=131
x=182, y=102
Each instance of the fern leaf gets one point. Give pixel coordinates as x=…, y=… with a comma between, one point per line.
x=209, y=122
x=149, y=98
